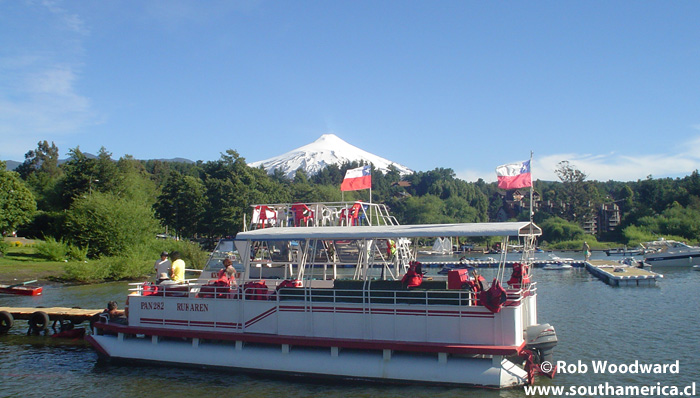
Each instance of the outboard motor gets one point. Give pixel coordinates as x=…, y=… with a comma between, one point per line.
x=541, y=339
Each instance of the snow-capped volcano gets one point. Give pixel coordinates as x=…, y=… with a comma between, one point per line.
x=328, y=149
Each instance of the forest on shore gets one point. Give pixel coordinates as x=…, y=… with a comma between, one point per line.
x=97, y=207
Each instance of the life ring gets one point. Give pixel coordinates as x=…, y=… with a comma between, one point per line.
x=6, y=322
x=38, y=322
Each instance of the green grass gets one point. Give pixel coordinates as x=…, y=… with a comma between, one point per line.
x=23, y=263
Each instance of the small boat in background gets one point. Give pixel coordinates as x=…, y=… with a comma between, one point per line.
x=624, y=251
x=696, y=267
x=22, y=289
x=561, y=259
x=557, y=267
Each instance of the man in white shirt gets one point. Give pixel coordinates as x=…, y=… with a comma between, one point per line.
x=162, y=268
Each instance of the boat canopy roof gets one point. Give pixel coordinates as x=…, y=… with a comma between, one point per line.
x=392, y=231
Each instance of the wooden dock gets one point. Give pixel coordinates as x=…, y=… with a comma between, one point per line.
x=617, y=274
x=39, y=318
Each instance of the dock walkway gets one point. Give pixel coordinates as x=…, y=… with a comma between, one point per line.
x=616, y=274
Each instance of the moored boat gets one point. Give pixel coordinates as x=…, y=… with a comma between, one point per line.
x=557, y=267
x=24, y=289
x=291, y=311
x=671, y=253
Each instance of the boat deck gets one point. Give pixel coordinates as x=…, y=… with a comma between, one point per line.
x=616, y=274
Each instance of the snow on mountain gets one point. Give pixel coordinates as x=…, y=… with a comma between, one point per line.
x=328, y=149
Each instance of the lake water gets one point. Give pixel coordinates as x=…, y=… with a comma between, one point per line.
x=594, y=322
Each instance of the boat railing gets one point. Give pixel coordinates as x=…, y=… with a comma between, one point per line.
x=515, y=296
x=192, y=288
x=257, y=290
x=164, y=289
x=260, y=291
x=320, y=214
x=377, y=297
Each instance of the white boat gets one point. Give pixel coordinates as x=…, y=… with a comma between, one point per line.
x=441, y=246
x=561, y=259
x=315, y=322
x=671, y=253
x=557, y=267
x=696, y=267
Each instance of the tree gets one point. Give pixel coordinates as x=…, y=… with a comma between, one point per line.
x=428, y=209
x=80, y=177
x=41, y=173
x=42, y=160
x=580, y=195
x=17, y=204
x=555, y=229
x=181, y=204
x=107, y=176
x=109, y=225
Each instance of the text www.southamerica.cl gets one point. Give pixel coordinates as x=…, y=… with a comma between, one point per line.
x=611, y=390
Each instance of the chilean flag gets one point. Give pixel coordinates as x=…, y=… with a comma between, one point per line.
x=514, y=175
x=355, y=179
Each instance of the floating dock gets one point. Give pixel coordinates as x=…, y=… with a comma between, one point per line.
x=617, y=274
x=39, y=318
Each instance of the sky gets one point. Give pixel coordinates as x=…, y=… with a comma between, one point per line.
x=613, y=87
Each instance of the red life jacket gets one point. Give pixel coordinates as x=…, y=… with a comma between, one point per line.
x=520, y=276
x=149, y=289
x=412, y=278
x=289, y=283
x=475, y=284
x=493, y=298
x=256, y=290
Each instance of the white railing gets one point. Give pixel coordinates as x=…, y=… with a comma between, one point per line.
x=362, y=295
x=320, y=214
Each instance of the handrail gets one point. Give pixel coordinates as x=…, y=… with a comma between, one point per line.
x=459, y=298
x=319, y=214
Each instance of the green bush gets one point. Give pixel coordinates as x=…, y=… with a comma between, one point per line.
x=3, y=247
x=191, y=252
x=77, y=254
x=86, y=272
x=135, y=263
x=556, y=229
x=108, y=269
x=109, y=225
x=51, y=249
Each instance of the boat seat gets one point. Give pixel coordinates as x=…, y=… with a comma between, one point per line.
x=214, y=290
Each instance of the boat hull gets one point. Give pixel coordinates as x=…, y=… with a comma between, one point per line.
x=671, y=260
x=21, y=290
x=316, y=362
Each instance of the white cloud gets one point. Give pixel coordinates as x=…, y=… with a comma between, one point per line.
x=38, y=79
x=610, y=166
x=71, y=22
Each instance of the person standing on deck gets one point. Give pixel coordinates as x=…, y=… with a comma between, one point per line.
x=586, y=251
x=177, y=272
x=162, y=268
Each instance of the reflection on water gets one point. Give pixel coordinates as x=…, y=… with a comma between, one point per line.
x=594, y=322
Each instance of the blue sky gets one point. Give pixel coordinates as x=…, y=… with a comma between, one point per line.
x=611, y=86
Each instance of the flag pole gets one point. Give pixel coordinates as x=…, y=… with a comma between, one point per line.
x=370, y=197
x=530, y=238
x=532, y=188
